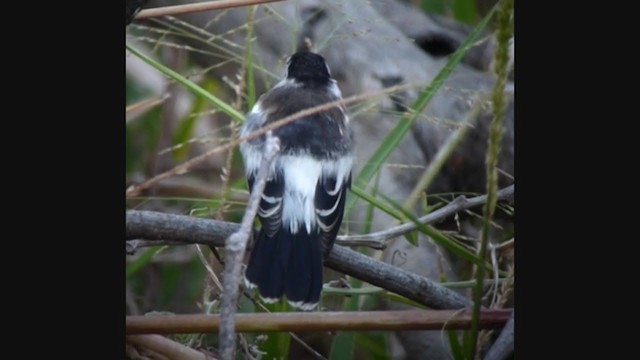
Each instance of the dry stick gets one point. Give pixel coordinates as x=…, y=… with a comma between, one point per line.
x=184, y=167
x=503, y=346
x=166, y=347
x=459, y=203
x=234, y=252
x=319, y=321
x=197, y=7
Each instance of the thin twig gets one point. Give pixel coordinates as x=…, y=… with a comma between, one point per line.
x=187, y=165
x=197, y=7
x=459, y=203
x=144, y=105
x=165, y=347
x=504, y=344
x=319, y=321
x=234, y=252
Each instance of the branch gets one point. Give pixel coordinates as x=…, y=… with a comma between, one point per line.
x=394, y=279
x=235, y=249
x=151, y=225
x=459, y=203
x=319, y=321
x=374, y=240
x=503, y=346
x=166, y=347
x=197, y=7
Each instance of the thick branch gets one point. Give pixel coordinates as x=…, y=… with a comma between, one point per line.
x=503, y=346
x=319, y=321
x=394, y=279
x=163, y=229
x=159, y=226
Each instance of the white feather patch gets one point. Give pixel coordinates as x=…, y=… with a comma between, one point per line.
x=301, y=174
x=334, y=89
x=302, y=305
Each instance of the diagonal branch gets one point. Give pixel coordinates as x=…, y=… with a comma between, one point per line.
x=234, y=252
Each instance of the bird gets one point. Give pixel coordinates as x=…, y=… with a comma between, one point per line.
x=302, y=205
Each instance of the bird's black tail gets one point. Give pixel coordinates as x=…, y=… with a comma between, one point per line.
x=287, y=264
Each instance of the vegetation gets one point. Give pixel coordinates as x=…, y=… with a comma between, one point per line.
x=182, y=158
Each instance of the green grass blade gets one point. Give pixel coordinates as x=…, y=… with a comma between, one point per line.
x=358, y=192
x=277, y=344
x=185, y=128
x=454, y=344
x=190, y=85
x=374, y=345
x=143, y=260
x=466, y=341
x=504, y=33
x=395, y=136
x=343, y=344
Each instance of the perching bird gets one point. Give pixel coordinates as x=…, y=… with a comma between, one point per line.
x=302, y=206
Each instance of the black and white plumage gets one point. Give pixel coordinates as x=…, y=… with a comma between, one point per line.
x=302, y=205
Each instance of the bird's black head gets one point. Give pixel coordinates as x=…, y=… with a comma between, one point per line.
x=308, y=68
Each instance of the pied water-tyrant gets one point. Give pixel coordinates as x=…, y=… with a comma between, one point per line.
x=302, y=206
